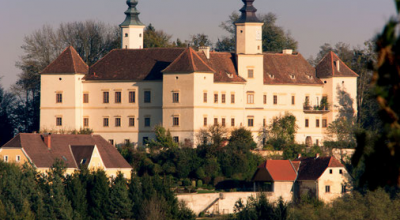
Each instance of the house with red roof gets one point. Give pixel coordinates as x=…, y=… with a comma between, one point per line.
x=130, y=90
x=322, y=177
x=75, y=151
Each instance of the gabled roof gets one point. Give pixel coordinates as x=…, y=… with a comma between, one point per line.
x=44, y=157
x=188, y=62
x=288, y=69
x=133, y=64
x=279, y=170
x=311, y=168
x=69, y=61
x=327, y=67
x=82, y=154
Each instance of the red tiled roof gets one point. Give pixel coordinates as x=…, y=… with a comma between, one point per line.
x=188, y=62
x=311, y=168
x=133, y=64
x=280, y=170
x=43, y=157
x=69, y=61
x=327, y=67
x=279, y=69
x=223, y=63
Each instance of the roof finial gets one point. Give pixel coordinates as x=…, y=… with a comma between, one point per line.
x=248, y=12
x=132, y=14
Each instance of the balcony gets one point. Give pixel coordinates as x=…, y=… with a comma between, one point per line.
x=316, y=109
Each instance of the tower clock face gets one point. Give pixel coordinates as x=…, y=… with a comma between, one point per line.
x=258, y=35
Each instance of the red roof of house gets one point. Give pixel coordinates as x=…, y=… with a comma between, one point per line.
x=280, y=170
x=188, y=62
x=69, y=61
x=311, y=168
x=42, y=156
x=288, y=69
x=327, y=67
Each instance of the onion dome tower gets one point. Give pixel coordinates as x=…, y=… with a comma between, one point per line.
x=132, y=28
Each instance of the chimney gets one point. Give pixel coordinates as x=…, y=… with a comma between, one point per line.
x=299, y=155
x=287, y=51
x=337, y=64
x=206, y=51
x=47, y=140
x=317, y=156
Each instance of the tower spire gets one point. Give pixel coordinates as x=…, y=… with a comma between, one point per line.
x=132, y=14
x=248, y=12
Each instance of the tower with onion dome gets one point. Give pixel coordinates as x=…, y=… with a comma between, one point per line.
x=132, y=28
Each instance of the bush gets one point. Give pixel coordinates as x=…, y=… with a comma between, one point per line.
x=186, y=182
x=199, y=183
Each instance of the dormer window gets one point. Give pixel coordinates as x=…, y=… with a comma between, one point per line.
x=310, y=77
x=292, y=76
x=230, y=75
x=271, y=76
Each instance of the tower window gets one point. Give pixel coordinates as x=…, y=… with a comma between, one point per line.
x=140, y=35
x=59, y=98
x=205, y=97
x=175, y=97
x=250, y=73
x=126, y=34
x=250, y=98
x=86, y=98
x=175, y=121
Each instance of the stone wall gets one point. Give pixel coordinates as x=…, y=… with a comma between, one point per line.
x=224, y=202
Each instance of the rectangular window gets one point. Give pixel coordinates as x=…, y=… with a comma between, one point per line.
x=215, y=121
x=117, y=97
x=105, y=122
x=175, y=97
x=223, y=122
x=330, y=171
x=275, y=99
x=250, y=122
x=250, y=73
x=250, y=98
x=85, y=122
x=131, y=122
x=58, y=121
x=147, y=96
x=106, y=97
x=176, y=139
x=5, y=158
x=205, y=97
x=223, y=98
x=59, y=98
x=306, y=123
x=175, y=121
x=18, y=158
x=205, y=121
x=111, y=141
x=132, y=97
x=216, y=98
x=117, y=122
x=264, y=122
x=145, y=140
x=86, y=98
x=147, y=122
x=344, y=189
x=317, y=123
x=327, y=189
x=232, y=122
x=293, y=100
x=232, y=98
x=324, y=123
x=265, y=99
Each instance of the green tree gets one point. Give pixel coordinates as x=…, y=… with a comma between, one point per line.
x=163, y=139
x=155, y=38
x=7, y=105
x=98, y=195
x=120, y=204
x=199, y=40
x=281, y=131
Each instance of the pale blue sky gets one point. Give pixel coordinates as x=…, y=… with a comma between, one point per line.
x=311, y=22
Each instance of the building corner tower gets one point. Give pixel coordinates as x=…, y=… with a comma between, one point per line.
x=132, y=28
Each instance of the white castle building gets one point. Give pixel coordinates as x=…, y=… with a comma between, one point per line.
x=130, y=90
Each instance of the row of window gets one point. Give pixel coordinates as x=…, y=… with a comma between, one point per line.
x=106, y=97
x=106, y=121
x=317, y=124
x=250, y=98
x=17, y=158
x=328, y=189
x=145, y=140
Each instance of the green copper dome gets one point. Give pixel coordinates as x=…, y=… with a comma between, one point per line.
x=132, y=14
